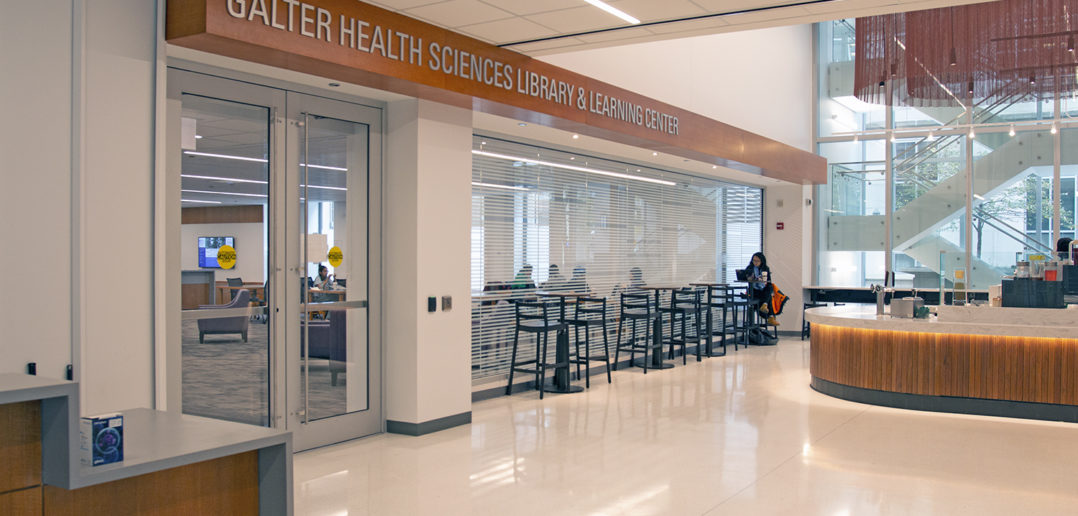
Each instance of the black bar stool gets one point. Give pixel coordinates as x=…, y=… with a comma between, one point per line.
x=540, y=319
x=636, y=308
x=717, y=305
x=588, y=313
x=684, y=307
x=738, y=300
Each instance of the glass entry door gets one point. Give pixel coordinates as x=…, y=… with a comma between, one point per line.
x=271, y=249
x=335, y=360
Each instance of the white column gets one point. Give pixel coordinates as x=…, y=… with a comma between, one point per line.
x=426, y=252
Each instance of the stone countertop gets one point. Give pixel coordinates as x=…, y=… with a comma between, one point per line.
x=156, y=440
x=961, y=320
x=16, y=387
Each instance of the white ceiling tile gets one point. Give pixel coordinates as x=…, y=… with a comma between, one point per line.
x=847, y=6
x=456, y=13
x=762, y=16
x=507, y=30
x=617, y=35
x=521, y=7
x=650, y=10
x=580, y=19
x=554, y=44
x=727, y=6
x=691, y=25
x=399, y=5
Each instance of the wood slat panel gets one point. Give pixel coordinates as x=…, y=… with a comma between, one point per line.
x=228, y=485
x=20, y=445
x=26, y=502
x=251, y=214
x=1030, y=369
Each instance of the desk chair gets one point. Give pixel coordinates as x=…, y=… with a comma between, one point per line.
x=232, y=283
x=263, y=302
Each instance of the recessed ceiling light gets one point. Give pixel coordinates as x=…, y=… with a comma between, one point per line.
x=482, y=143
x=654, y=153
x=612, y=10
x=522, y=124
x=576, y=136
x=198, y=137
x=334, y=85
x=714, y=166
x=571, y=158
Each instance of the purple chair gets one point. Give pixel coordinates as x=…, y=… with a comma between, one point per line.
x=224, y=325
x=328, y=341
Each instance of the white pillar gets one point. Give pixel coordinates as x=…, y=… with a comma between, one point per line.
x=427, y=252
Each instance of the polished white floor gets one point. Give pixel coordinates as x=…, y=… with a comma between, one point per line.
x=740, y=435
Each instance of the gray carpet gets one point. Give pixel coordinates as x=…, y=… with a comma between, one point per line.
x=226, y=378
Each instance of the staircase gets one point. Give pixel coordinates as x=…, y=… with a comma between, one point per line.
x=915, y=225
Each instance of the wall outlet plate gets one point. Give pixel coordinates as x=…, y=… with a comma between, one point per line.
x=432, y=304
x=447, y=303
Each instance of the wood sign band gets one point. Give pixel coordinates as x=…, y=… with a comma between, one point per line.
x=354, y=42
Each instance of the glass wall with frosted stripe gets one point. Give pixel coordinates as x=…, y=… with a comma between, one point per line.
x=582, y=223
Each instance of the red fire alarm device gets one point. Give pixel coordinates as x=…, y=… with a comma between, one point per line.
x=780, y=225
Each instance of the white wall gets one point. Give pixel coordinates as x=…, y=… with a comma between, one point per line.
x=35, y=200
x=426, y=245
x=117, y=177
x=250, y=249
x=78, y=156
x=787, y=250
x=759, y=80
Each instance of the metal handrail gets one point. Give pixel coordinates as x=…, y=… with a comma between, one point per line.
x=985, y=113
x=980, y=212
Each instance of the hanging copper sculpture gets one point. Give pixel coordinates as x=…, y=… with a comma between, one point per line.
x=981, y=51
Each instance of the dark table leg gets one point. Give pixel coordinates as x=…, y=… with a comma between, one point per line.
x=561, y=356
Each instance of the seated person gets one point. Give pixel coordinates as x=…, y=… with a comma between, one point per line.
x=555, y=281
x=324, y=281
x=578, y=283
x=759, y=277
x=523, y=279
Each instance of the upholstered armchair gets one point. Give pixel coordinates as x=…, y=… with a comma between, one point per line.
x=224, y=325
x=329, y=341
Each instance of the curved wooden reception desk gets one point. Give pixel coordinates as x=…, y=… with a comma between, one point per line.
x=1013, y=362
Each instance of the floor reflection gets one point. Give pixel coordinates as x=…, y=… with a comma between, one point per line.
x=743, y=434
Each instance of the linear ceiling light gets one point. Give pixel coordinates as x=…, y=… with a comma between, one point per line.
x=226, y=179
x=224, y=193
x=613, y=10
x=328, y=188
x=573, y=167
x=203, y=202
x=326, y=167
x=504, y=187
x=225, y=156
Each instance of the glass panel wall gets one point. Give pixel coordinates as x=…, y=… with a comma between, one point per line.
x=553, y=219
x=991, y=158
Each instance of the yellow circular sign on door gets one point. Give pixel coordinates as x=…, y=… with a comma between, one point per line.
x=335, y=256
x=226, y=257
